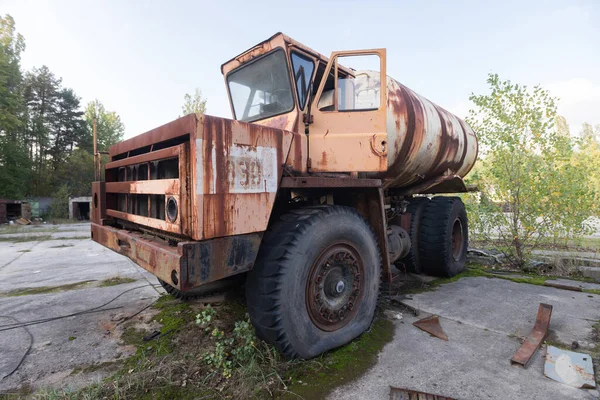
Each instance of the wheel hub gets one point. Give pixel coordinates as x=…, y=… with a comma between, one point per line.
x=457, y=239
x=335, y=286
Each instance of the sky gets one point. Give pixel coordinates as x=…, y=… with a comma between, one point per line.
x=139, y=58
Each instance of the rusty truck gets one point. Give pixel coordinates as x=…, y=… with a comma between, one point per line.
x=323, y=181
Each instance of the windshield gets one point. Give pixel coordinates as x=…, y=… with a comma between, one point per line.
x=261, y=89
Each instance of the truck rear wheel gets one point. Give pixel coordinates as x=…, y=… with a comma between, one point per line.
x=416, y=207
x=315, y=282
x=444, y=237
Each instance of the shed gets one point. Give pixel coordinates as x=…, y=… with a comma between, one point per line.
x=11, y=210
x=79, y=207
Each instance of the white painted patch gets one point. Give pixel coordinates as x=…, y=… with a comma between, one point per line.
x=252, y=169
x=199, y=164
x=249, y=169
x=565, y=370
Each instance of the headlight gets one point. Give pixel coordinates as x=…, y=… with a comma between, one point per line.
x=172, y=209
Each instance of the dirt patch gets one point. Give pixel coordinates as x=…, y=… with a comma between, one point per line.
x=117, y=280
x=48, y=289
x=25, y=238
x=192, y=350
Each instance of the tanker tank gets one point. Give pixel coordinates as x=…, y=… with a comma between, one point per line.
x=425, y=141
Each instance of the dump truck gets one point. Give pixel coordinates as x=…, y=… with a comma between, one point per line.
x=321, y=184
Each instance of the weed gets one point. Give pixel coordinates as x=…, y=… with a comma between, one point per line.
x=205, y=317
x=24, y=251
x=71, y=338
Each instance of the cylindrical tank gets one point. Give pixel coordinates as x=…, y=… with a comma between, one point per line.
x=424, y=140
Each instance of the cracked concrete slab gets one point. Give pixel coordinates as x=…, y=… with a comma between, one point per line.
x=482, y=318
x=62, y=345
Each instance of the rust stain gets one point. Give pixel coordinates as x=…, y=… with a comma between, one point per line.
x=323, y=159
x=277, y=122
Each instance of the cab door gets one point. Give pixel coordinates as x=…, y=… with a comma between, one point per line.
x=348, y=131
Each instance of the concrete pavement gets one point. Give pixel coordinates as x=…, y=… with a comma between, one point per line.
x=482, y=318
x=61, y=346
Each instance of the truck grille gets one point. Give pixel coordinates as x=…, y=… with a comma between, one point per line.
x=150, y=189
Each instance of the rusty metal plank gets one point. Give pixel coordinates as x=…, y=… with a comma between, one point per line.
x=319, y=182
x=155, y=257
x=156, y=186
x=564, y=287
x=524, y=354
x=408, y=394
x=162, y=154
x=179, y=127
x=151, y=222
x=195, y=263
x=432, y=326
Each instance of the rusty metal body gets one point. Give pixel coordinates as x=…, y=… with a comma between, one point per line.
x=190, y=200
x=409, y=142
x=223, y=176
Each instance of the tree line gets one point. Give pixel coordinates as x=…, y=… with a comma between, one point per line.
x=46, y=142
x=539, y=183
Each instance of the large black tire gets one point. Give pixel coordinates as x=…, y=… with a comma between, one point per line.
x=416, y=207
x=306, y=248
x=444, y=237
x=200, y=291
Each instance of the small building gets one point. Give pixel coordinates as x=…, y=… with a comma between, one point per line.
x=11, y=210
x=40, y=206
x=79, y=207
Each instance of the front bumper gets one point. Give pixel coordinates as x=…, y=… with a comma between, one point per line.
x=187, y=265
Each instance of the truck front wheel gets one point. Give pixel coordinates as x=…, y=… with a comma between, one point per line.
x=315, y=282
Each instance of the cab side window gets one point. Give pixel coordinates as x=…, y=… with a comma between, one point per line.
x=353, y=84
x=303, y=69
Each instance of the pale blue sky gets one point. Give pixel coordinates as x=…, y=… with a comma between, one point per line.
x=140, y=57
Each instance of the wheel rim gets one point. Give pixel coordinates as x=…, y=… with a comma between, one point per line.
x=335, y=287
x=457, y=239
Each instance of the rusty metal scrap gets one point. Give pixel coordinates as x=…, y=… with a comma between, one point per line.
x=570, y=368
x=408, y=394
x=524, y=354
x=432, y=326
x=564, y=287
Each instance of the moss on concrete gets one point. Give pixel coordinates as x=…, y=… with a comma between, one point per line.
x=117, y=280
x=314, y=379
x=47, y=289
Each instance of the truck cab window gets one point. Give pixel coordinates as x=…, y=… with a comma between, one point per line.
x=358, y=85
x=261, y=89
x=303, y=70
